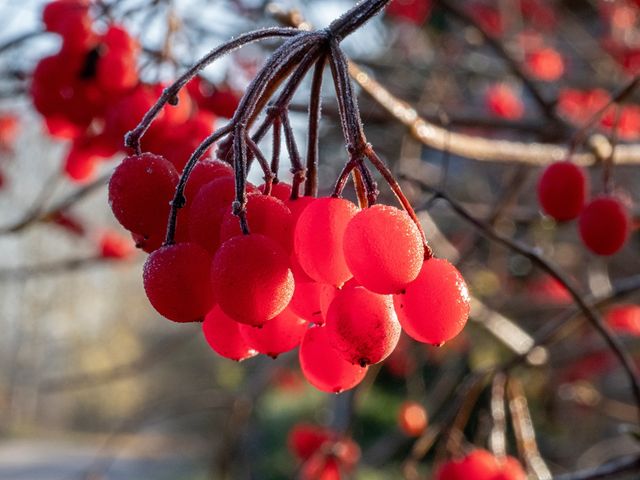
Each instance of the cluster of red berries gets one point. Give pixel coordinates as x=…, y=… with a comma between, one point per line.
x=321, y=273
x=603, y=222
x=576, y=105
x=324, y=453
x=90, y=93
x=481, y=465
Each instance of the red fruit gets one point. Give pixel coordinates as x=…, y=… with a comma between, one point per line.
x=70, y=19
x=545, y=64
x=412, y=419
x=205, y=171
x=383, y=249
x=280, y=190
x=435, y=306
x=223, y=336
x=278, y=335
x=478, y=465
x=413, y=11
x=318, y=239
x=251, y=278
x=624, y=319
x=116, y=72
x=140, y=190
x=177, y=282
x=577, y=105
x=115, y=246
x=362, y=326
x=219, y=99
x=207, y=210
x=183, y=139
x=562, y=190
x=9, y=127
x=323, y=367
x=511, y=469
x=298, y=205
x=604, y=225
x=267, y=216
x=79, y=165
x=306, y=300
x=305, y=439
x=60, y=127
x=503, y=102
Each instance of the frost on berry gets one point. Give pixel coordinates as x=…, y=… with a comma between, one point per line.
x=323, y=367
x=177, y=282
x=383, y=249
x=140, y=190
x=362, y=326
x=318, y=239
x=223, y=336
x=604, y=225
x=435, y=306
x=251, y=279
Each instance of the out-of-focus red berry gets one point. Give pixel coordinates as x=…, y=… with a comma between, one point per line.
x=115, y=246
x=412, y=11
x=562, y=190
x=545, y=64
x=412, y=419
x=503, y=102
x=624, y=319
x=604, y=225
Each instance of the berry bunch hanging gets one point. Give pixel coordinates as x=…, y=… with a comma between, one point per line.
x=269, y=268
x=604, y=222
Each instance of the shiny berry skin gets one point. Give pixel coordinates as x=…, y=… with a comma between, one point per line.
x=177, y=282
x=140, y=190
x=251, y=279
x=562, y=190
x=323, y=367
x=362, y=325
x=624, y=319
x=318, y=239
x=267, y=216
x=412, y=419
x=223, y=336
x=604, y=225
x=282, y=333
x=435, y=306
x=383, y=249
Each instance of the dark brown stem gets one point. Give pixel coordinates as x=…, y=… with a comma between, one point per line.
x=178, y=199
x=169, y=95
x=315, y=106
x=275, y=147
x=240, y=167
x=294, y=155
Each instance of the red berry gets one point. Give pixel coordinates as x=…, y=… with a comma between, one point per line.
x=623, y=319
x=562, y=190
x=435, y=306
x=511, y=469
x=503, y=102
x=305, y=439
x=323, y=367
x=412, y=419
x=140, y=190
x=604, y=225
x=478, y=465
x=207, y=211
x=362, y=326
x=318, y=239
x=251, y=278
x=177, y=282
x=383, y=249
x=412, y=11
x=278, y=335
x=280, y=190
x=267, y=216
x=205, y=171
x=545, y=64
x=115, y=246
x=307, y=297
x=223, y=336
